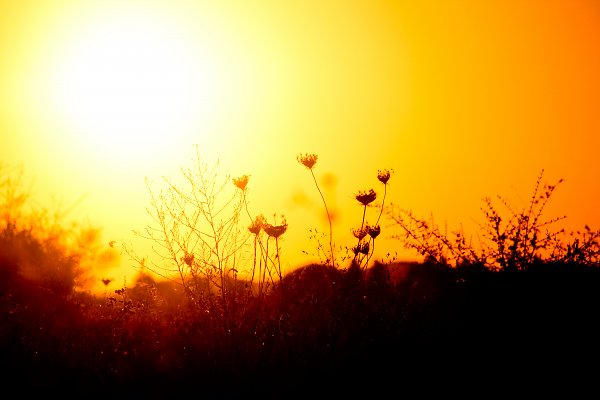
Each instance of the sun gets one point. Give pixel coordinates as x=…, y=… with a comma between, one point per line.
x=130, y=86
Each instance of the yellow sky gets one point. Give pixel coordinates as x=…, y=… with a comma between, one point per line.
x=462, y=99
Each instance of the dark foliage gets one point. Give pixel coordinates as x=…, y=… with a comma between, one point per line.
x=516, y=317
x=327, y=331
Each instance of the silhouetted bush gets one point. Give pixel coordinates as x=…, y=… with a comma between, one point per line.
x=510, y=240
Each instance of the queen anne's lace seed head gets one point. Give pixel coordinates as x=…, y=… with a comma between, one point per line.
x=257, y=224
x=241, y=182
x=275, y=230
x=365, y=248
x=384, y=176
x=374, y=231
x=308, y=160
x=362, y=248
x=366, y=198
x=359, y=233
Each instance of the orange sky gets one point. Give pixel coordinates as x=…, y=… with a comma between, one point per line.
x=462, y=99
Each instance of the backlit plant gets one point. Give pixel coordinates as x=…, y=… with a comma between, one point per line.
x=513, y=240
x=309, y=161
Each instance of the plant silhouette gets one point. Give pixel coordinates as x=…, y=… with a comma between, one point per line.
x=309, y=161
x=329, y=331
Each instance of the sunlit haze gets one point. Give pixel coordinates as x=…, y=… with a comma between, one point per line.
x=461, y=99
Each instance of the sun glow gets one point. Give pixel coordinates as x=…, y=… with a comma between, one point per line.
x=96, y=95
x=131, y=87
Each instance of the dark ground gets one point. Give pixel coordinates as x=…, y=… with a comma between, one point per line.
x=404, y=330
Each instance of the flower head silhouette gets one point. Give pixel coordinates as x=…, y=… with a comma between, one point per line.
x=384, y=175
x=362, y=248
x=308, y=160
x=359, y=233
x=241, y=182
x=257, y=224
x=365, y=248
x=366, y=198
x=374, y=231
x=275, y=230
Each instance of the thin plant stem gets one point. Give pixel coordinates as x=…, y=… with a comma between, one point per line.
x=382, y=203
x=377, y=223
x=279, y=264
x=328, y=218
x=362, y=225
x=372, y=252
x=363, y=217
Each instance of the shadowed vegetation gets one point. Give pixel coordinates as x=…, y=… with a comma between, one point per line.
x=523, y=301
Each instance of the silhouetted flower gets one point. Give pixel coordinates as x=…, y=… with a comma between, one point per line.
x=365, y=248
x=384, y=175
x=308, y=160
x=257, y=224
x=362, y=247
x=366, y=197
x=275, y=230
x=359, y=233
x=241, y=182
x=374, y=231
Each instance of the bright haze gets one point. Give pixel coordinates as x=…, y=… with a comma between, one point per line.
x=461, y=99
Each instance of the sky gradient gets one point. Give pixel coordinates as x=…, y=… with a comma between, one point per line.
x=461, y=99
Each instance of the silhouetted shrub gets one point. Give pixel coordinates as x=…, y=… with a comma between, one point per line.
x=514, y=241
